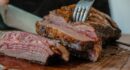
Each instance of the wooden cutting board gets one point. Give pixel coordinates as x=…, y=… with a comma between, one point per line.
x=114, y=57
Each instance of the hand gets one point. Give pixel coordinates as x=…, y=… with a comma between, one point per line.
x=4, y=2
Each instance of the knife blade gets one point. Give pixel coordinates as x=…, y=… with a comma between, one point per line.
x=18, y=18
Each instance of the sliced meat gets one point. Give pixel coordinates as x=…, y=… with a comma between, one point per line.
x=81, y=40
x=30, y=47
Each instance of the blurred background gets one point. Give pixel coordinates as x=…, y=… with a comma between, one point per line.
x=118, y=9
x=120, y=12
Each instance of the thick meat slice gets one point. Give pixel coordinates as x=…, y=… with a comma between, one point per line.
x=81, y=40
x=30, y=47
x=77, y=36
x=104, y=26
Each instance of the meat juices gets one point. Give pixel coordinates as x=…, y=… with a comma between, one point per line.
x=30, y=47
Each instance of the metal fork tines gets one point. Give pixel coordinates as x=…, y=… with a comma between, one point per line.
x=81, y=10
x=1, y=34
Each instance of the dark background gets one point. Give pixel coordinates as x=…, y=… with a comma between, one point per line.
x=42, y=7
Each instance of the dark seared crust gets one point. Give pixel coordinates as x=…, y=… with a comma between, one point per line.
x=105, y=27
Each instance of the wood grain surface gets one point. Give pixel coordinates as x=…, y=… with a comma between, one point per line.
x=114, y=57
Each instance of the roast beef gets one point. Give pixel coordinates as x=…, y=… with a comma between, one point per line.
x=80, y=39
x=31, y=47
x=83, y=39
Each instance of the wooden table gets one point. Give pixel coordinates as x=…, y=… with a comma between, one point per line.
x=114, y=57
